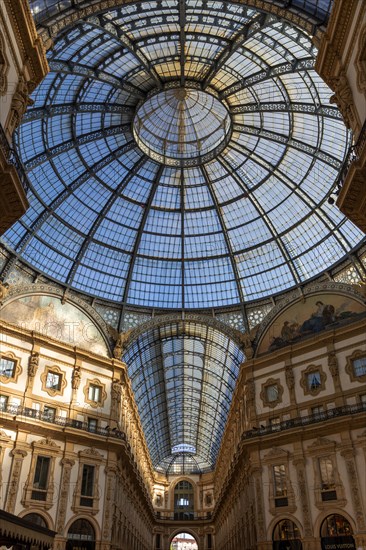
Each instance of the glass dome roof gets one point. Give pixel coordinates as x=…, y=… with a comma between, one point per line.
x=183, y=376
x=217, y=199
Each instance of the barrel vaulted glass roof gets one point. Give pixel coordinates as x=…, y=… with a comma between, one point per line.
x=183, y=375
x=136, y=199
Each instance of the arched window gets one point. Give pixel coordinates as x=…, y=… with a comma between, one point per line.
x=286, y=535
x=36, y=519
x=336, y=526
x=184, y=500
x=81, y=530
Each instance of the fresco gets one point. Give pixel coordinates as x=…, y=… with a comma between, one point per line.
x=49, y=317
x=317, y=313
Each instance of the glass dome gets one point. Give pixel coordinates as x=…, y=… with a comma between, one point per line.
x=182, y=157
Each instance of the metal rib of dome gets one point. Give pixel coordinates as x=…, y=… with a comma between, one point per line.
x=246, y=222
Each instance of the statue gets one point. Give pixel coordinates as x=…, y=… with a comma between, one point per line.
x=290, y=380
x=76, y=377
x=333, y=364
x=246, y=341
x=121, y=343
x=343, y=97
x=116, y=389
x=19, y=103
x=33, y=364
x=4, y=289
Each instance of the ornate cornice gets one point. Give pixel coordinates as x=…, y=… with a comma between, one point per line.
x=333, y=42
x=29, y=42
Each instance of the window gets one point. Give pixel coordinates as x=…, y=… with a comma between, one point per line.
x=313, y=380
x=94, y=393
x=3, y=402
x=272, y=393
x=7, y=367
x=53, y=380
x=359, y=366
x=363, y=398
x=327, y=479
x=356, y=366
x=87, y=485
x=317, y=410
x=326, y=473
x=184, y=500
x=280, y=485
x=49, y=414
x=92, y=424
x=279, y=477
x=40, y=480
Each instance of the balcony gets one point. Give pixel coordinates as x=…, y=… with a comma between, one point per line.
x=19, y=412
x=302, y=421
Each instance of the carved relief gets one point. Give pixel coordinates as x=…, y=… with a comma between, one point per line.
x=19, y=104
x=109, y=500
x=354, y=486
x=4, y=68
x=303, y=490
x=67, y=465
x=343, y=98
x=333, y=364
x=361, y=61
x=33, y=364
x=17, y=455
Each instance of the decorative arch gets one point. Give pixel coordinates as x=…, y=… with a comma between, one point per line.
x=282, y=517
x=162, y=320
x=187, y=530
x=90, y=519
x=42, y=513
x=72, y=316
x=329, y=512
x=337, y=301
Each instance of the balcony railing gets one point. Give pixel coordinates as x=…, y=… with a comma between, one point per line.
x=62, y=421
x=302, y=421
x=12, y=158
x=190, y=516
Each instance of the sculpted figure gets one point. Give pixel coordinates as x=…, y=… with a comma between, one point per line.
x=33, y=364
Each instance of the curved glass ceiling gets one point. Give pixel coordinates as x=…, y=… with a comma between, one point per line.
x=222, y=226
x=183, y=375
x=182, y=127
